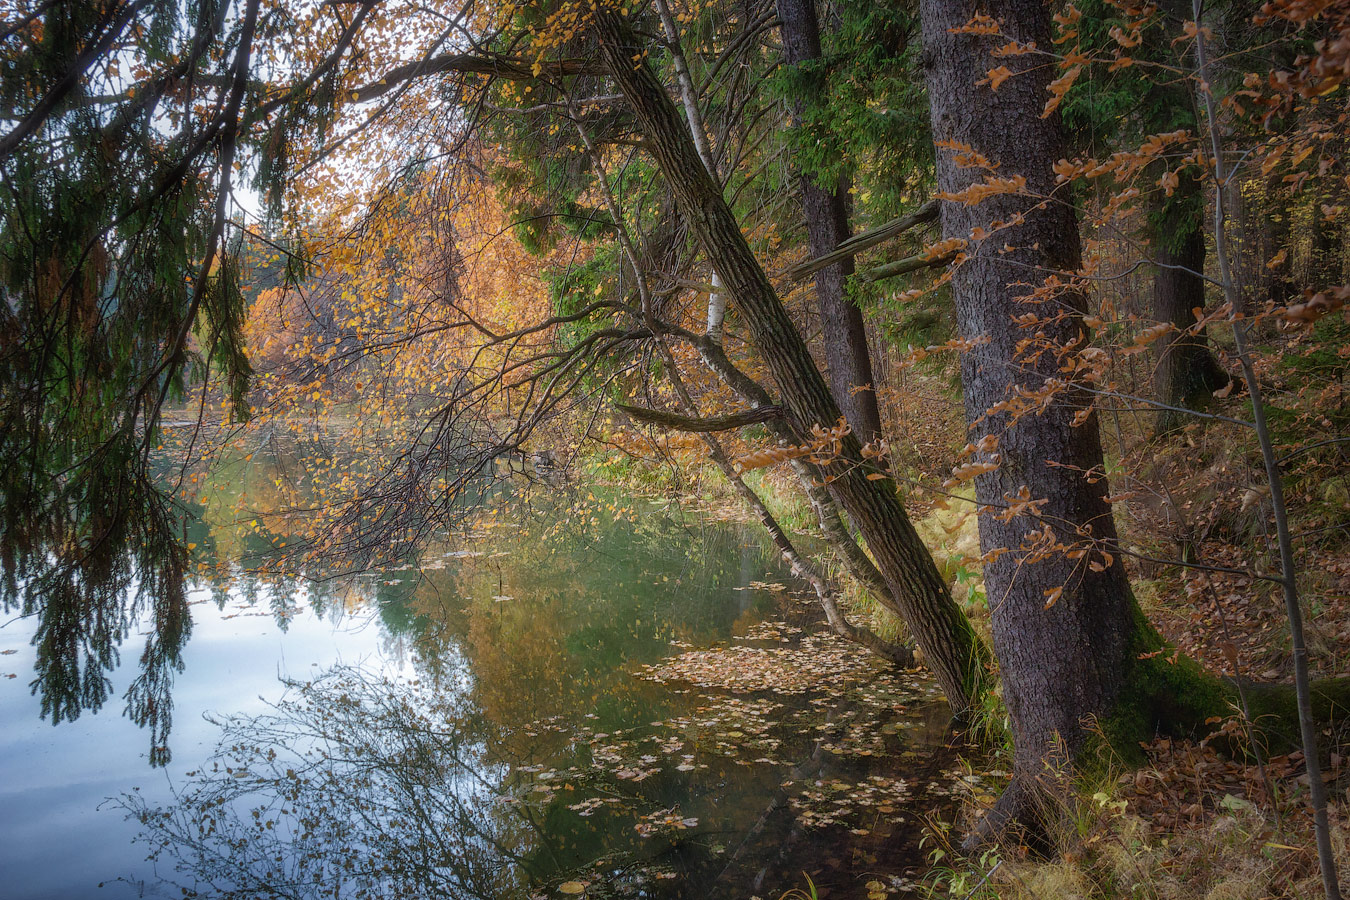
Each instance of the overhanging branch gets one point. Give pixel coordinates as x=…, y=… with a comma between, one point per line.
x=866, y=240
x=677, y=422
x=472, y=64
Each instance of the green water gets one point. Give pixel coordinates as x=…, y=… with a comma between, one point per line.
x=512, y=726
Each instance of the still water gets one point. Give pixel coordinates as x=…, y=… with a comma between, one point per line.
x=584, y=694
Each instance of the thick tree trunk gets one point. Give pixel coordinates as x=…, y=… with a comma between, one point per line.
x=1063, y=656
x=916, y=589
x=1187, y=372
x=826, y=211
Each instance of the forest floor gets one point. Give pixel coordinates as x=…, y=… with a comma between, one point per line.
x=1192, y=821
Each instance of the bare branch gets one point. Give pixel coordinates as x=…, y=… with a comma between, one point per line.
x=471, y=64
x=866, y=240
x=701, y=425
x=903, y=266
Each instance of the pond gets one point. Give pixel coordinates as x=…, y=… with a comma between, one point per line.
x=580, y=694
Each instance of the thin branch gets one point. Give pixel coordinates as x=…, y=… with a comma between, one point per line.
x=472, y=64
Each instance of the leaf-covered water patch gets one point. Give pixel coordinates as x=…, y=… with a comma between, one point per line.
x=818, y=663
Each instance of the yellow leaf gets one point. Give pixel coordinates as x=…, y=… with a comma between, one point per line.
x=1052, y=596
x=571, y=887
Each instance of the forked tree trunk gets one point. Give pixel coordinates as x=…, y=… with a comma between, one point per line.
x=1063, y=657
x=826, y=211
x=917, y=591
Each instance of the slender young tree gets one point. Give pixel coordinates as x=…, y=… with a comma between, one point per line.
x=825, y=209
x=921, y=596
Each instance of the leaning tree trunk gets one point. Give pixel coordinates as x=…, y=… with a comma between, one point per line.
x=826, y=211
x=917, y=591
x=1187, y=372
x=1063, y=631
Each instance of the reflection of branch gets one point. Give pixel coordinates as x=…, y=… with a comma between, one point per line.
x=701, y=425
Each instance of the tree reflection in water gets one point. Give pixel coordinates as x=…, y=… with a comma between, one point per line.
x=352, y=786
x=91, y=582
x=528, y=755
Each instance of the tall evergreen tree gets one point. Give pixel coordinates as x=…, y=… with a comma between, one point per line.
x=1066, y=659
x=124, y=124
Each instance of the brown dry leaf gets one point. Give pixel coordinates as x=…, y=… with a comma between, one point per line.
x=1058, y=88
x=998, y=76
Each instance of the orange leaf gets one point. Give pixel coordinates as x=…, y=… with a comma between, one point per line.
x=1058, y=88
x=998, y=76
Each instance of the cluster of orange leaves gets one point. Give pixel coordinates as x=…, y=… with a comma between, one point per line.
x=825, y=446
x=981, y=191
x=1316, y=305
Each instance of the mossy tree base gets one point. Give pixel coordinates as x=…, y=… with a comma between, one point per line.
x=1162, y=693
x=1168, y=693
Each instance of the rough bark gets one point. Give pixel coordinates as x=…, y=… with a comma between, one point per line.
x=1090, y=657
x=826, y=211
x=917, y=591
x=1062, y=660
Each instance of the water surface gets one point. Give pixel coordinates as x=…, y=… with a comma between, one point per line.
x=585, y=693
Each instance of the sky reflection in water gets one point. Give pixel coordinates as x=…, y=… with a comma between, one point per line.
x=524, y=642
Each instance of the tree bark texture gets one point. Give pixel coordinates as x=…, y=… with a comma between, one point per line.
x=917, y=591
x=1187, y=370
x=1063, y=657
x=826, y=211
